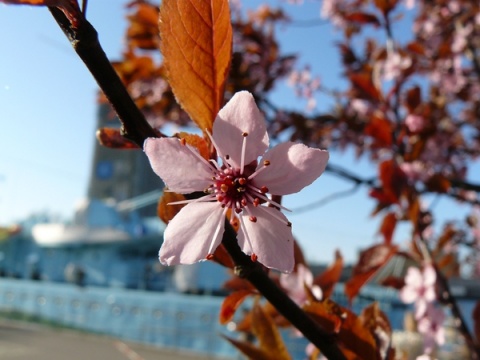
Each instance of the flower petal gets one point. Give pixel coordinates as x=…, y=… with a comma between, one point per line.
x=240, y=115
x=270, y=237
x=178, y=167
x=292, y=167
x=189, y=235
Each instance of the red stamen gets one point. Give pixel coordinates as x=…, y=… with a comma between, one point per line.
x=264, y=189
x=254, y=257
x=253, y=219
x=183, y=142
x=210, y=257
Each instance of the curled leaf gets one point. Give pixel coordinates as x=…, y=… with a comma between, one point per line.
x=231, y=303
x=165, y=211
x=111, y=138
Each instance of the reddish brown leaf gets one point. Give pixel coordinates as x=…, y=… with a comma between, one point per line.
x=385, y=6
x=231, y=303
x=249, y=349
x=69, y=7
x=388, y=227
x=328, y=279
x=327, y=313
x=371, y=260
x=393, y=282
x=354, y=338
x=143, y=30
x=196, y=141
x=438, y=183
x=112, y=138
x=268, y=335
x=196, y=43
x=393, y=179
x=476, y=321
x=375, y=320
x=167, y=212
x=222, y=257
x=363, y=81
x=362, y=18
x=380, y=130
x=413, y=98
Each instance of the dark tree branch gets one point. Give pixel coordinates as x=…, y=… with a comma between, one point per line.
x=85, y=42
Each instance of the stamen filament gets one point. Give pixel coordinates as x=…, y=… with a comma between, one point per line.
x=258, y=171
x=205, y=198
x=244, y=147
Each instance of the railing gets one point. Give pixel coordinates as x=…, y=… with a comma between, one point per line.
x=168, y=320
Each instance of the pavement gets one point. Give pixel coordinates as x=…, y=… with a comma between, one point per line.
x=29, y=341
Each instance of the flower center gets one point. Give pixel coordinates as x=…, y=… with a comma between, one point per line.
x=233, y=190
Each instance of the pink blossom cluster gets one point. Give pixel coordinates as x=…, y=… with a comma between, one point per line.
x=305, y=86
x=419, y=289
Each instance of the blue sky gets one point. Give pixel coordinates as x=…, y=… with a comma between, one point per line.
x=48, y=109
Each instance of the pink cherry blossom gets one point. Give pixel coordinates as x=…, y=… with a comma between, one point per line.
x=431, y=327
x=295, y=282
x=393, y=65
x=236, y=182
x=419, y=289
x=415, y=123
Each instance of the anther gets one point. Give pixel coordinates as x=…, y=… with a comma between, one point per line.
x=224, y=188
x=289, y=224
x=254, y=257
x=253, y=218
x=264, y=189
x=238, y=210
x=240, y=189
x=183, y=142
x=242, y=181
x=220, y=198
x=209, y=257
x=227, y=157
x=256, y=202
x=245, y=134
x=266, y=163
x=243, y=202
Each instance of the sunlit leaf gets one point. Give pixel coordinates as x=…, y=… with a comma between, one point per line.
x=380, y=129
x=268, y=335
x=375, y=320
x=329, y=278
x=112, y=138
x=221, y=256
x=371, y=260
x=363, y=81
x=231, y=303
x=388, y=227
x=250, y=350
x=196, y=43
x=352, y=336
x=167, y=212
x=327, y=313
x=196, y=141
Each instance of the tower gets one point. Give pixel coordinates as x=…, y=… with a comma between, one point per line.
x=120, y=174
